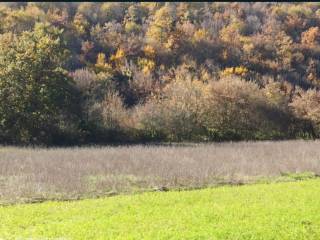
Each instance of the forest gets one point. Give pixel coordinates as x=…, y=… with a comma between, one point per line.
x=96, y=73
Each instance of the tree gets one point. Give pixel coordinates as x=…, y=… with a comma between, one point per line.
x=162, y=25
x=80, y=24
x=306, y=105
x=21, y=20
x=136, y=13
x=313, y=72
x=176, y=113
x=35, y=90
x=165, y=49
x=311, y=36
x=94, y=90
x=89, y=10
x=238, y=109
x=110, y=11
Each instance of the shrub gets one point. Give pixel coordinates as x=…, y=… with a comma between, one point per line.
x=175, y=114
x=141, y=85
x=238, y=109
x=228, y=109
x=306, y=105
x=110, y=117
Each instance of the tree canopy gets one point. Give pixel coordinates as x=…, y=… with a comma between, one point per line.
x=34, y=87
x=130, y=72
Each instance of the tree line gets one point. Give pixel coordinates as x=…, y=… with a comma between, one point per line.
x=74, y=73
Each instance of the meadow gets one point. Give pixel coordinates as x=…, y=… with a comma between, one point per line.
x=236, y=190
x=163, y=120
x=286, y=211
x=40, y=174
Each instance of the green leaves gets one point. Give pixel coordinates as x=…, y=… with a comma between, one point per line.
x=33, y=85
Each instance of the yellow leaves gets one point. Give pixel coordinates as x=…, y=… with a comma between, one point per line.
x=245, y=39
x=118, y=56
x=228, y=71
x=299, y=10
x=101, y=63
x=164, y=17
x=132, y=27
x=200, y=34
x=232, y=33
x=160, y=28
x=101, y=59
x=146, y=65
x=240, y=71
x=154, y=34
x=149, y=51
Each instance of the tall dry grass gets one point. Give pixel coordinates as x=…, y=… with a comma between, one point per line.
x=68, y=173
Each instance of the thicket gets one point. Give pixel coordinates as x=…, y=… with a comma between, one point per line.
x=74, y=73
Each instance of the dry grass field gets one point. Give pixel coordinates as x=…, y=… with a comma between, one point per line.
x=37, y=174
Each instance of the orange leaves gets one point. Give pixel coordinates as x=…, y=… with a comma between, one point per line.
x=311, y=36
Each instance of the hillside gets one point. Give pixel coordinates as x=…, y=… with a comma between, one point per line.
x=75, y=73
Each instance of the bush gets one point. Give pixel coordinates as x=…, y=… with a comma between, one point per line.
x=109, y=117
x=228, y=109
x=306, y=105
x=175, y=114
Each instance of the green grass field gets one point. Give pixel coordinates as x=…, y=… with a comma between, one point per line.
x=261, y=211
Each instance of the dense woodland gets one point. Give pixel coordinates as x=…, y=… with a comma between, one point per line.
x=76, y=73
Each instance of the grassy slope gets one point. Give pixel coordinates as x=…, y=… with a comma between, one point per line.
x=261, y=211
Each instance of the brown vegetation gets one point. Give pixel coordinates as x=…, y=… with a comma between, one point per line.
x=28, y=174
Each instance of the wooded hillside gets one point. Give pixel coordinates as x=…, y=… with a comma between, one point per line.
x=73, y=73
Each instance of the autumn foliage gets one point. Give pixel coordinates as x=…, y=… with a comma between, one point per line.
x=74, y=73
